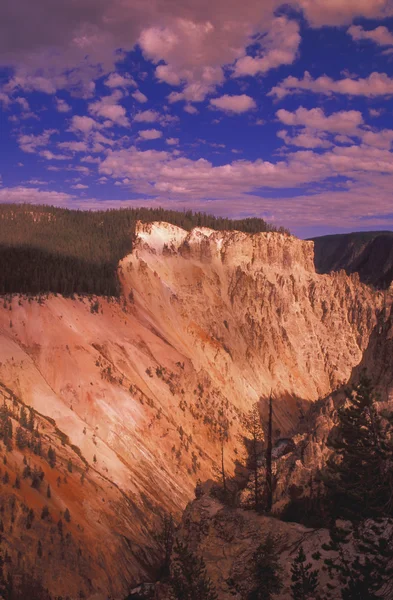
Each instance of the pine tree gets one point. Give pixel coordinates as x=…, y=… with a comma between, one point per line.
x=23, y=417
x=52, y=457
x=267, y=571
x=305, y=580
x=189, y=579
x=166, y=539
x=360, y=488
x=359, y=476
x=253, y=426
x=363, y=562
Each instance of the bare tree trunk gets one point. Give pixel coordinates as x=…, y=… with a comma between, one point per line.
x=224, y=479
x=269, y=449
x=255, y=461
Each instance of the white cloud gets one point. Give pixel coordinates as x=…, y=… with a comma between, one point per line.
x=376, y=84
x=381, y=35
x=234, y=104
x=147, y=116
x=339, y=12
x=115, y=80
x=74, y=146
x=30, y=143
x=279, y=47
x=381, y=139
x=307, y=138
x=139, y=97
x=150, y=134
x=109, y=108
x=80, y=186
x=82, y=124
x=172, y=141
x=72, y=44
x=346, y=122
x=51, y=156
x=190, y=109
x=62, y=106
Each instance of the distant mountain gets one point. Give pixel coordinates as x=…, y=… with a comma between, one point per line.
x=368, y=253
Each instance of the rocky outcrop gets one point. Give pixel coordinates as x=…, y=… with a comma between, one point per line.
x=208, y=323
x=227, y=539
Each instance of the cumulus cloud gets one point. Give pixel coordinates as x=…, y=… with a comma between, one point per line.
x=139, y=97
x=308, y=138
x=74, y=146
x=30, y=143
x=172, y=141
x=82, y=124
x=346, y=122
x=190, y=109
x=49, y=155
x=108, y=107
x=381, y=35
x=279, y=47
x=147, y=116
x=115, y=80
x=376, y=84
x=234, y=104
x=150, y=134
x=26, y=195
x=337, y=12
x=62, y=106
x=69, y=45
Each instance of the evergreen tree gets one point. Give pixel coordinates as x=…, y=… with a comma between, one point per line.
x=166, y=539
x=267, y=571
x=52, y=457
x=305, y=580
x=359, y=475
x=359, y=482
x=253, y=426
x=189, y=579
x=23, y=417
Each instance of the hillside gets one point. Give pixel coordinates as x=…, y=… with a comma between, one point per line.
x=134, y=391
x=47, y=249
x=368, y=253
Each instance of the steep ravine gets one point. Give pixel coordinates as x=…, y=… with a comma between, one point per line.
x=208, y=323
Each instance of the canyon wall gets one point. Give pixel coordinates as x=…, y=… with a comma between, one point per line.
x=134, y=392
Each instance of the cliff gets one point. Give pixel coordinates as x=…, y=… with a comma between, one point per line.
x=370, y=254
x=133, y=391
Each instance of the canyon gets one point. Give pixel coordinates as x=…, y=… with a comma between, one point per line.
x=132, y=392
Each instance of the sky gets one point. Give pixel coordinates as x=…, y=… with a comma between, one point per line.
x=238, y=108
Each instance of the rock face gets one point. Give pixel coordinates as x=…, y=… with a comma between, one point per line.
x=227, y=539
x=370, y=254
x=133, y=392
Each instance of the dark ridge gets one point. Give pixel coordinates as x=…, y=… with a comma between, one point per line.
x=368, y=253
x=48, y=249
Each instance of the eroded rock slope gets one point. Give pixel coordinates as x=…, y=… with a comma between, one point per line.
x=133, y=392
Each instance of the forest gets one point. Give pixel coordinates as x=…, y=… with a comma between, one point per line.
x=46, y=249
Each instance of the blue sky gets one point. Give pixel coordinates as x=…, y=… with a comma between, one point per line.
x=283, y=112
